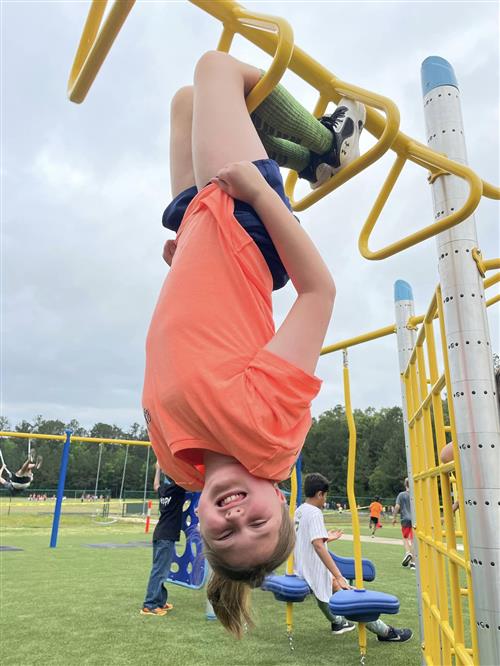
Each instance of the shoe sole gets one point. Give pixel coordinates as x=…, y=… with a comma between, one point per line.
x=154, y=614
x=406, y=560
x=344, y=630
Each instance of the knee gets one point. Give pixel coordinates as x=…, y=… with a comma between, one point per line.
x=182, y=101
x=209, y=61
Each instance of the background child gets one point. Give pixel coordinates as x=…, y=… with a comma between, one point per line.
x=375, y=511
x=226, y=397
x=166, y=533
x=403, y=506
x=314, y=563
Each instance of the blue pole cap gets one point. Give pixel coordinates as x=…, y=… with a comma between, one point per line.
x=402, y=291
x=436, y=72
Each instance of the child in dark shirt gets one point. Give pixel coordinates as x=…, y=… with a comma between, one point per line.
x=167, y=532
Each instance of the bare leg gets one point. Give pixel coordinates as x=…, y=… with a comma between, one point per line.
x=181, y=125
x=223, y=131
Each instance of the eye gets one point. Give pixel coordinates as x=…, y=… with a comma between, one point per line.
x=258, y=523
x=224, y=536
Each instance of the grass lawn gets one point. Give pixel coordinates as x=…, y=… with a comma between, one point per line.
x=78, y=605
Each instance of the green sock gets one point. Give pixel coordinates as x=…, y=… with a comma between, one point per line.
x=281, y=116
x=286, y=153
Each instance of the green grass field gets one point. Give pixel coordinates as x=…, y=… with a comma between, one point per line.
x=80, y=605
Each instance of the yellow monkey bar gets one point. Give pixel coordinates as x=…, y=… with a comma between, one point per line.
x=275, y=37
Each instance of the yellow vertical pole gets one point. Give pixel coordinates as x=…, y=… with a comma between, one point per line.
x=289, y=563
x=351, y=495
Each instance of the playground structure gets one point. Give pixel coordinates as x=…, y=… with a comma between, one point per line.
x=457, y=313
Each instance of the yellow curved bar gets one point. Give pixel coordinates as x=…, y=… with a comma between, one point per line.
x=284, y=47
x=95, y=44
x=351, y=496
x=389, y=133
x=428, y=158
x=74, y=438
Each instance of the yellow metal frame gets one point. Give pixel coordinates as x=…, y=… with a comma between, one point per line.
x=440, y=560
x=351, y=496
x=275, y=37
x=75, y=438
x=289, y=562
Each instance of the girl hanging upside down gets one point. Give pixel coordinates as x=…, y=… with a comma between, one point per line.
x=226, y=397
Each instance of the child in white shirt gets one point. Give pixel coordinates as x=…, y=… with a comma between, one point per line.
x=314, y=563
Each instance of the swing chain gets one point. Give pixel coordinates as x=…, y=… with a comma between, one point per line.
x=290, y=641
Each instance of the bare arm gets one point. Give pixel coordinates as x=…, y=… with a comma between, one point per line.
x=156, y=481
x=395, y=513
x=325, y=557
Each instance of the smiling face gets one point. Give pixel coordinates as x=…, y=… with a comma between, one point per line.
x=240, y=515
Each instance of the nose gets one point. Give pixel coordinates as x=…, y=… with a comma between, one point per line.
x=235, y=513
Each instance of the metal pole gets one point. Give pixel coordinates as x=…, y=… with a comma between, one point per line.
x=470, y=359
x=146, y=482
x=298, y=469
x=404, y=307
x=98, y=470
x=60, y=488
x=124, y=470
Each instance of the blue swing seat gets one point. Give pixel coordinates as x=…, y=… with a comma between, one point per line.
x=346, y=567
x=286, y=588
x=363, y=605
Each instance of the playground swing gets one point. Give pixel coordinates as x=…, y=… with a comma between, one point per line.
x=359, y=605
x=23, y=478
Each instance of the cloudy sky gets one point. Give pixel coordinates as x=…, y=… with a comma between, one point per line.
x=84, y=186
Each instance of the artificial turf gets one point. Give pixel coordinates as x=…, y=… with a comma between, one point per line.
x=79, y=605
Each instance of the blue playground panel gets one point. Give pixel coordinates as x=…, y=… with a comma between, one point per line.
x=356, y=605
x=363, y=605
x=346, y=567
x=286, y=588
x=189, y=569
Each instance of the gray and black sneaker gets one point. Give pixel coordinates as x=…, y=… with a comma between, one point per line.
x=406, y=560
x=396, y=636
x=346, y=124
x=342, y=627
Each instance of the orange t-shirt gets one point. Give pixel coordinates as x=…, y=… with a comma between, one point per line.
x=375, y=509
x=209, y=382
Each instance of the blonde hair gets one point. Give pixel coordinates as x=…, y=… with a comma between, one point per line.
x=229, y=589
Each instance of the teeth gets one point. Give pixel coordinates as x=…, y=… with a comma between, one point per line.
x=229, y=499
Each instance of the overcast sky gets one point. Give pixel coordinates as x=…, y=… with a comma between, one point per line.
x=84, y=186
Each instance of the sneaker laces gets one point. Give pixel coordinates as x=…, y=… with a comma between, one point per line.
x=334, y=119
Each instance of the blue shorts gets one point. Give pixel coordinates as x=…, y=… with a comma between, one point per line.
x=246, y=216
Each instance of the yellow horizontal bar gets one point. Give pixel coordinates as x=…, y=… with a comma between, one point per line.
x=493, y=300
x=74, y=438
x=451, y=553
x=366, y=337
x=445, y=468
x=493, y=279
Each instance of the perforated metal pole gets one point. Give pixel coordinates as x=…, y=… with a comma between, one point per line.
x=404, y=308
x=470, y=358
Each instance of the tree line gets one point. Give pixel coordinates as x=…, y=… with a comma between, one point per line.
x=380, y=460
